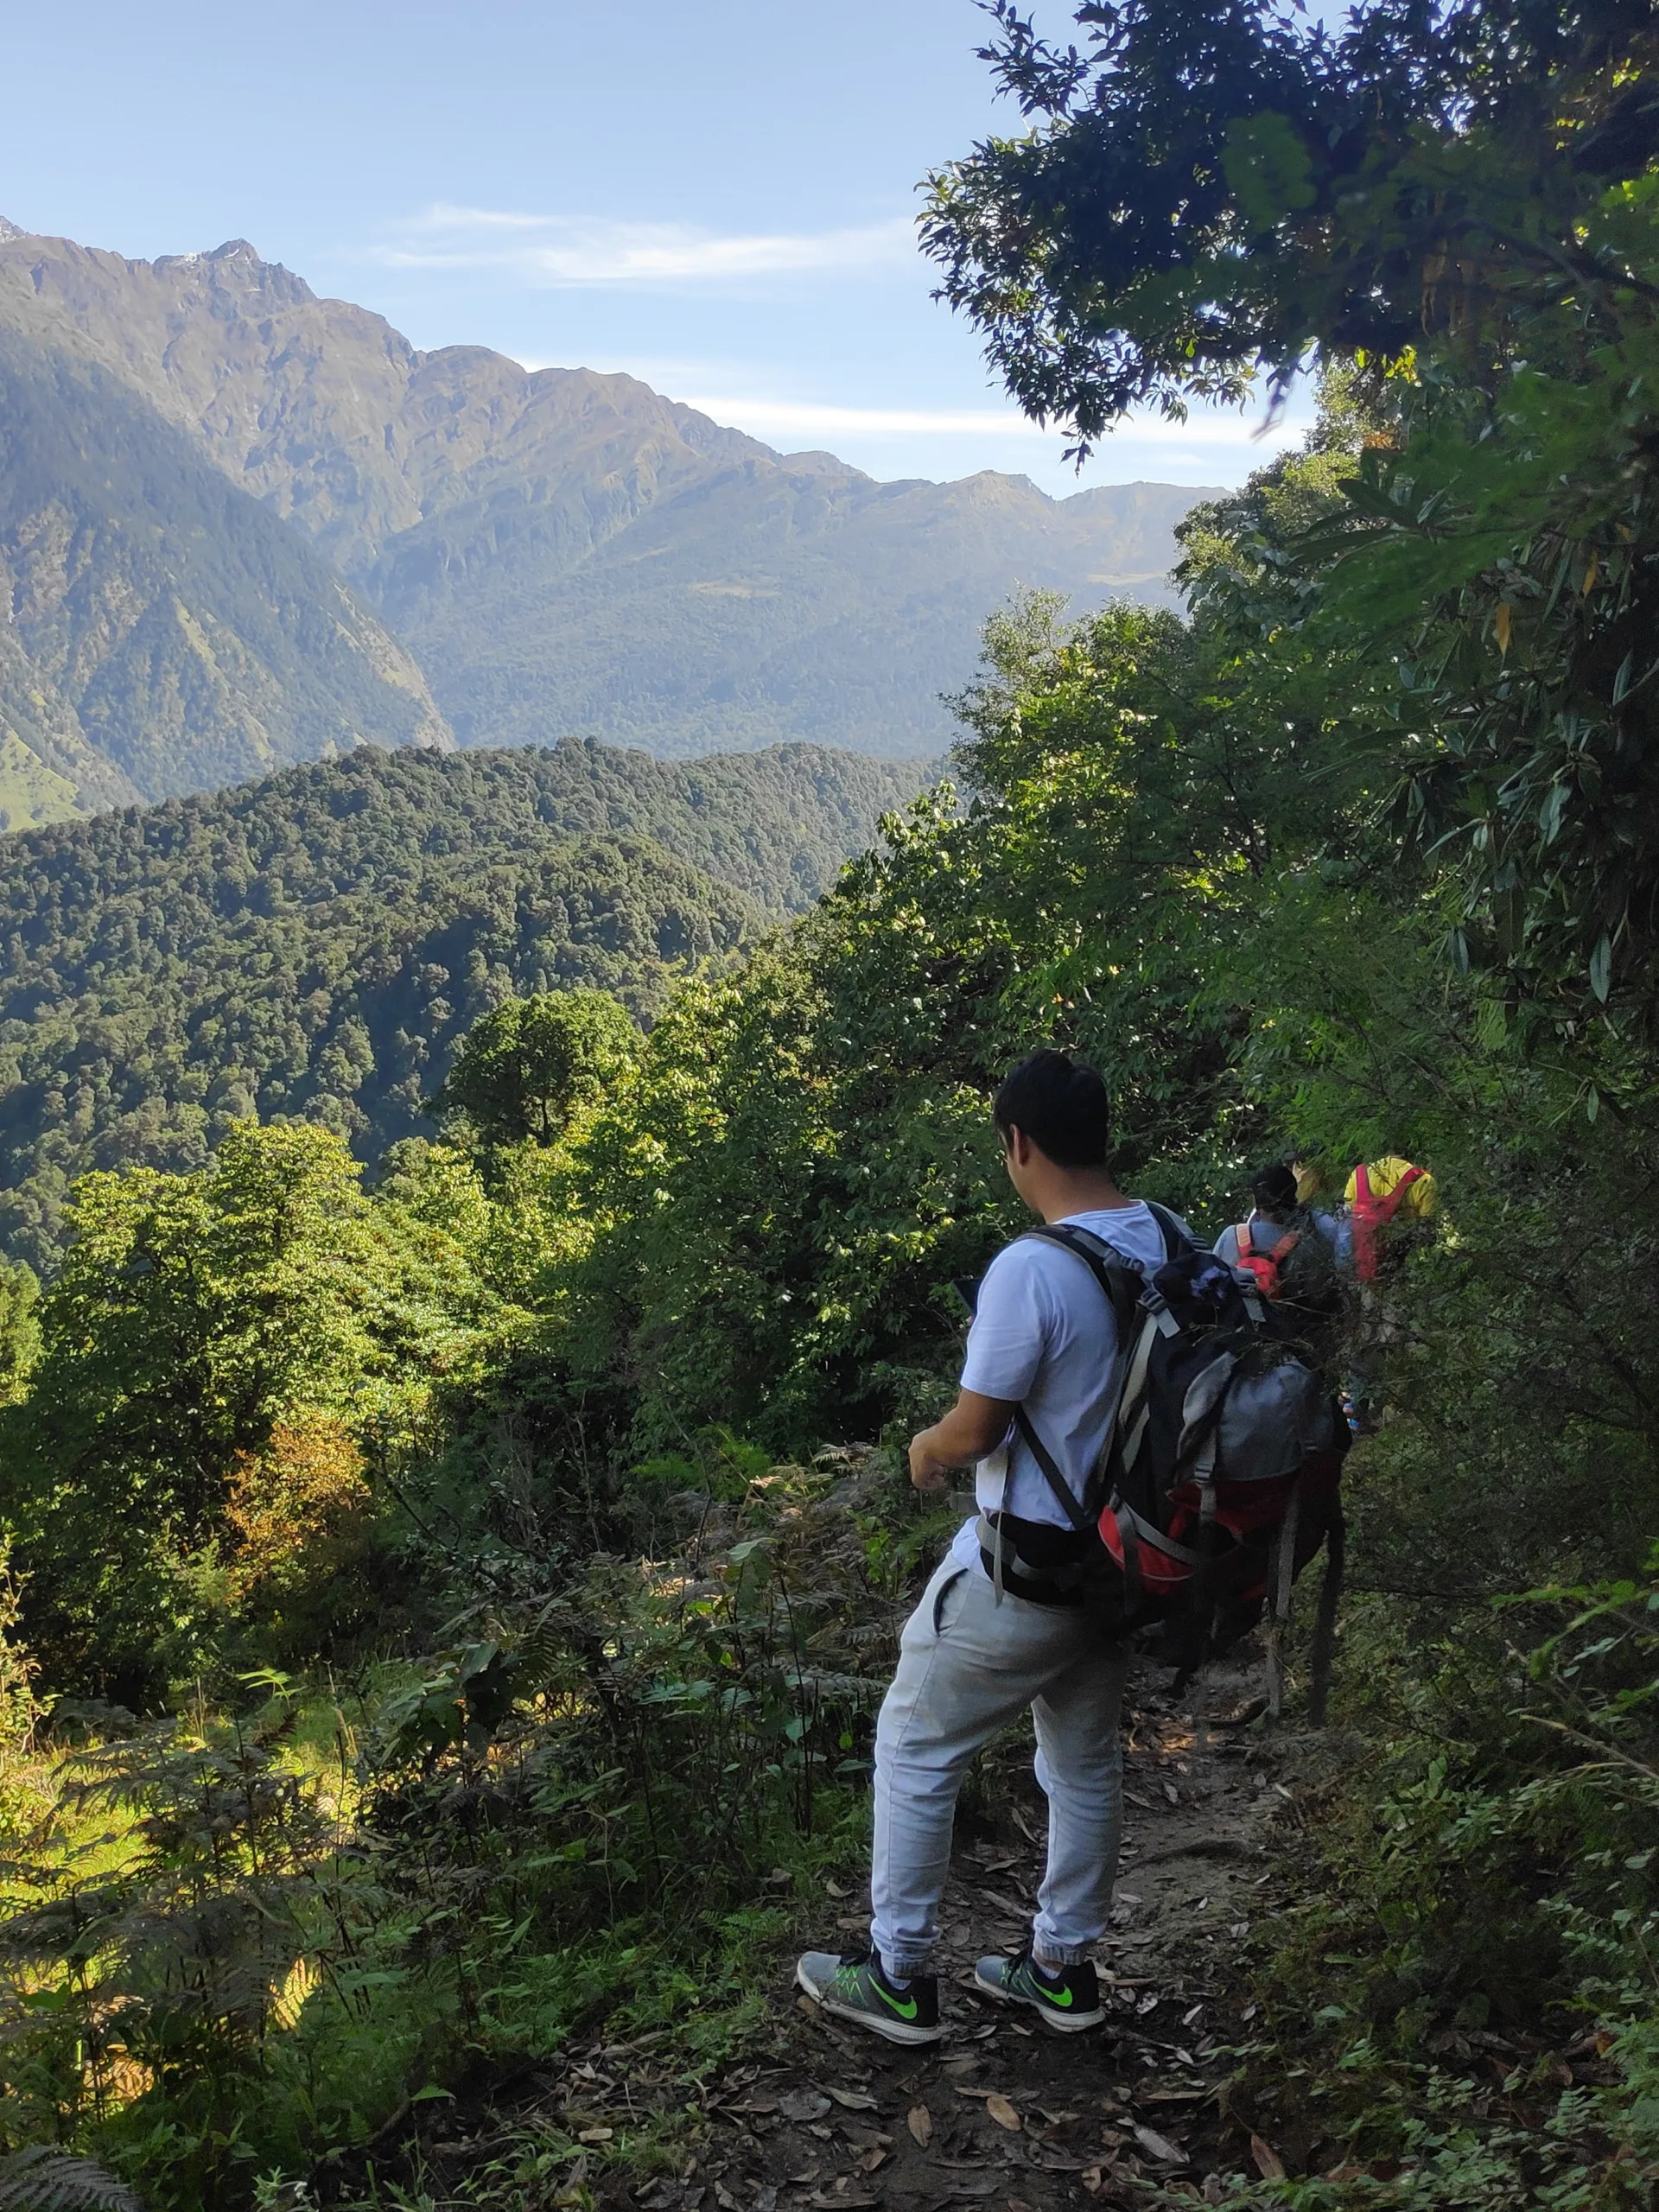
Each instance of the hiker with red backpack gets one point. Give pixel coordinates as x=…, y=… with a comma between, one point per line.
x=1145, y=1450
x=1391, y=1205
x=1289, y=1252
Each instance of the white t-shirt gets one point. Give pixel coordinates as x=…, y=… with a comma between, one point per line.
x=1045, y=1336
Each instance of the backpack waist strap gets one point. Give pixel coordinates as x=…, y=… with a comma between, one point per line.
x=1053, y=1577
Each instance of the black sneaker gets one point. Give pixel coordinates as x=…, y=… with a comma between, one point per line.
x=1065, y=1999
x=854, y=1987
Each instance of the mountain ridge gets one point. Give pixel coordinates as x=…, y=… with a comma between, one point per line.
x=564, y=552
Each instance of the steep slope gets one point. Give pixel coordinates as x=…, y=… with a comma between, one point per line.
x=161, y=629
x=316, y=943
x=568, y=552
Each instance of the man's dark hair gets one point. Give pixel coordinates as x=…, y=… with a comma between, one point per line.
x=1274, y=1190
x=1061, y=1105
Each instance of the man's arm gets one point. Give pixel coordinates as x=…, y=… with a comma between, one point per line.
x=974, y=1426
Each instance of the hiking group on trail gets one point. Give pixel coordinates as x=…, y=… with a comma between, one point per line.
x=1157, y=1442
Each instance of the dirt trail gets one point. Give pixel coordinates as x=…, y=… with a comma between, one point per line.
x=1001, y=2112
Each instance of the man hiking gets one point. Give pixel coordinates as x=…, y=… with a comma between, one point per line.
x=976, y=1652
x=1289, y=1253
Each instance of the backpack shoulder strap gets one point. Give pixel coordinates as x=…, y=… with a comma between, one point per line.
x=1387, y=1208
x=1080, y=1519
x=1120, y=1286
x=1119, y=1283
x=1175, y=1240
x=1244, y=1241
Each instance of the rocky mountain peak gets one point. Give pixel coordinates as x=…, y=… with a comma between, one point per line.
x=238, y=266
x=10, y=230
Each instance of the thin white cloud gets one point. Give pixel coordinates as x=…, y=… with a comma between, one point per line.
x=792, y=418
x=573, y=251
x=768, y=418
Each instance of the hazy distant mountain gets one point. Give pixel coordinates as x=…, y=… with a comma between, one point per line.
x=566, y=552
x=160, y=629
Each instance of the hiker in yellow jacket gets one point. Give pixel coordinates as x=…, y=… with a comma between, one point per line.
x=1380, y=1193
x=1390, y=1202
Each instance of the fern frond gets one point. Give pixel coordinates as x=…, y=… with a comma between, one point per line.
x=41, y=2180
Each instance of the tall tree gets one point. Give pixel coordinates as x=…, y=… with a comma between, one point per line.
x=191, y=1315
x=523, y=1070
x=1459, y=204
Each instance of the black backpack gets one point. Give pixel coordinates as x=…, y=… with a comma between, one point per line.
x=1219, y=1480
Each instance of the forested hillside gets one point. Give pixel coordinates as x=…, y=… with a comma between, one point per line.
x=567, y=553
x=159, y=629
x=315, y=944
x=444, y=1621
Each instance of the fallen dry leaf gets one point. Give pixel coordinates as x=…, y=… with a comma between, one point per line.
x=835, y=1889
x=1268, y=2164
x=1012, y=1906
x=851, y=2100
x=920, y=2125
x=804, y=2104
x=1158, y=2147
x=872, y=2159
x=812, y=2009
x=596, y=2135
x=1347, y=2171
x=998, y=2109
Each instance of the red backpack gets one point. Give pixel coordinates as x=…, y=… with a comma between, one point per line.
x=1371, y=1215
x=1264, y=1265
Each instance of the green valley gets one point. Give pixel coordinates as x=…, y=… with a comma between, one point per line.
x=316, y=944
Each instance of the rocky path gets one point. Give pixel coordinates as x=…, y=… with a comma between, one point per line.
x=1002, y=2113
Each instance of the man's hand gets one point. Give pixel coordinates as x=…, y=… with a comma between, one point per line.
x=927, y=1470
x=974, y=1426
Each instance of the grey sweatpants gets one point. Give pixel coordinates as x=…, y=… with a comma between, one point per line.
x=966, y=1666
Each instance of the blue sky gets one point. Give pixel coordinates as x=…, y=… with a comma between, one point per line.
x=718, y=200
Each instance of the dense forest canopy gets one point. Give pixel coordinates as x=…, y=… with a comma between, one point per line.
x=548, y=1444
x=317, y=943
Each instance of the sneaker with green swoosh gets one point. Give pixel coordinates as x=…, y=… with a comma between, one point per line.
x=1065, y=1999
x=854, y=1987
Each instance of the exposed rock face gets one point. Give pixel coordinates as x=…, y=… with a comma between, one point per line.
x=566, y=552
x=159, y=630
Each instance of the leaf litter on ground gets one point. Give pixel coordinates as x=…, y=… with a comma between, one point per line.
x=1158, y=2147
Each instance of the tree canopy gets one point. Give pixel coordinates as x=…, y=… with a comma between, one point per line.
x=525, y=1067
